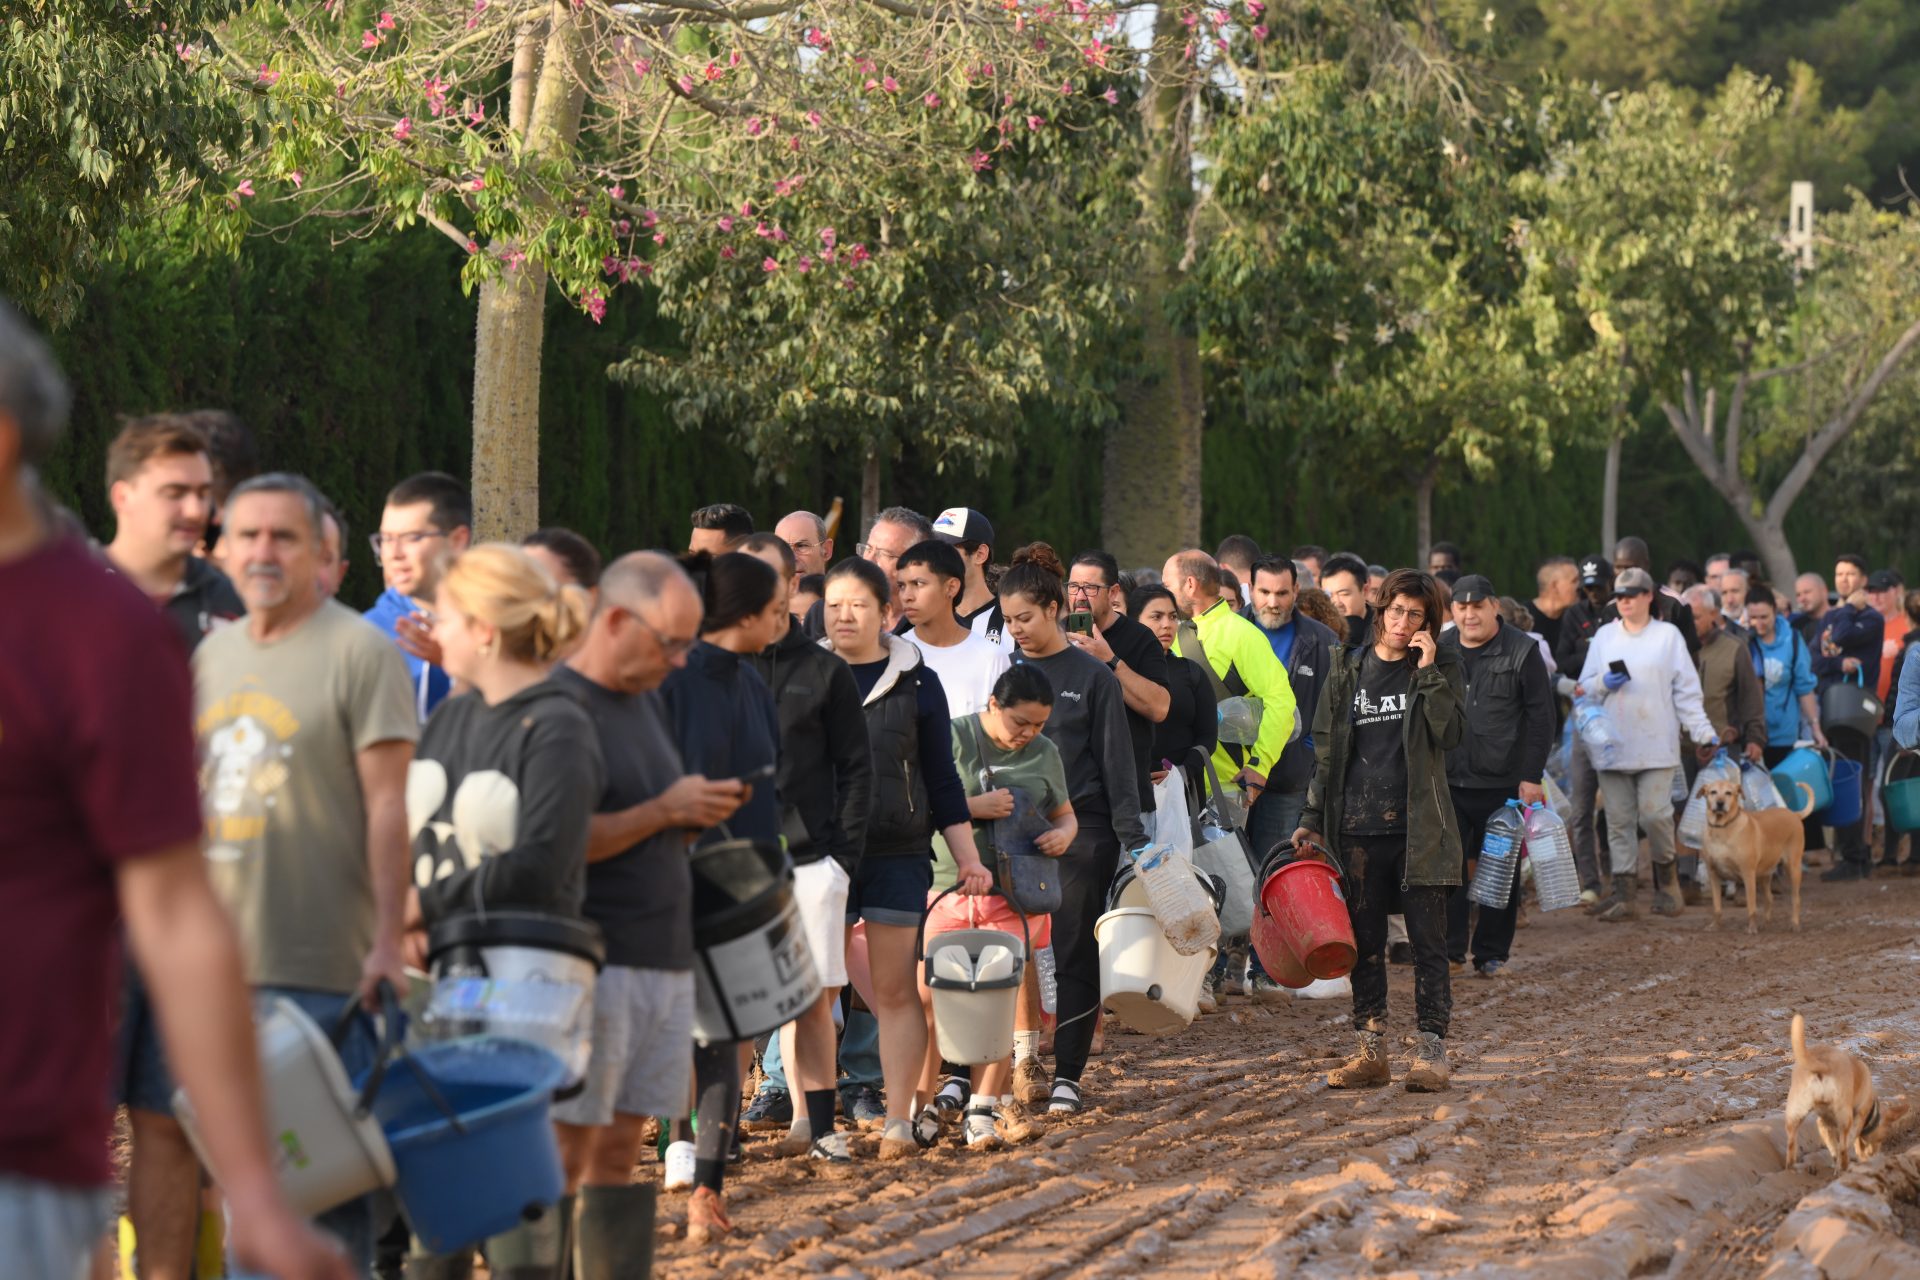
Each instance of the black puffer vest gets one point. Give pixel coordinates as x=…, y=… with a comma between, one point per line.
x=901, y=820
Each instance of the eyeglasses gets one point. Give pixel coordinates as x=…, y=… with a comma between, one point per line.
x=1398, y=614
x=673, y=648
x=878, y=555
x=1084, y=589
x=802, y=546
x=384, y=542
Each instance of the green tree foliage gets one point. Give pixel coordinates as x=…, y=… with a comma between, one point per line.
x=100, y=108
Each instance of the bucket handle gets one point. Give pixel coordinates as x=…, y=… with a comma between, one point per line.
x=920, y=934
x=1886, y=773
x=1313, y=852
x=391, y=1046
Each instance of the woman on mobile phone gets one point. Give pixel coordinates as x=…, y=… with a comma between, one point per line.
x=1089, y=726
x=1392, y=709
x=726, y=726
x=1193, y=719
x=916, y=791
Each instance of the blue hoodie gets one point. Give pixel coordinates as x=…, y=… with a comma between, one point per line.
x=726, y=724
x=430, y=683
x=1785, y=668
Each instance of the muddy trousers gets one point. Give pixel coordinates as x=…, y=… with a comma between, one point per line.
x=1086, y=873
x=1636, y=801
x=1493, y=934
x=1376, y=868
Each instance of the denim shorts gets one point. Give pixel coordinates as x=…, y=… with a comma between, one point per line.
x=143, y=1080
x=890, y=891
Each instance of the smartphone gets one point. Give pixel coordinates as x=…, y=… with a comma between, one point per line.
x=1618, y=667
x=763, y=774
x=1080, y=620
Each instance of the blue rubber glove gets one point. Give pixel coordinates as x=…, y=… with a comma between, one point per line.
x=1613, y=680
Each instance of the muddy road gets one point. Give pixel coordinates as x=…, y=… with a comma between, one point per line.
x=1220, y=1152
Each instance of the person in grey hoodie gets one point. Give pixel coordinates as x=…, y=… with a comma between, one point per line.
x=501, y=789
x=1089, y=725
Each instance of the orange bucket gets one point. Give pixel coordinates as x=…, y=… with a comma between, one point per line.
x=1309, y=913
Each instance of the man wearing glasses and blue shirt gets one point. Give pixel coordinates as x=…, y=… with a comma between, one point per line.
x=428, y=520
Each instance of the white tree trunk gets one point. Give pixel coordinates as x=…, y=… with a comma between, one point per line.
x=1610, y=497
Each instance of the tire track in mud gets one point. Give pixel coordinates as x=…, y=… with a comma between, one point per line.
x=1221, y=1152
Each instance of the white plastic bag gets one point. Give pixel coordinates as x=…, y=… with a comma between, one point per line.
x=1172, y=824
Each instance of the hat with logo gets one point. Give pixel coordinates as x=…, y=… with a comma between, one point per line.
x=1885, y=580
x=1474, y=588
x=1633, y=582
x=1596, y=571
x=963, y=524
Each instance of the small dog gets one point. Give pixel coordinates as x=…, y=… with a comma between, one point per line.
x=1837, y=1089
x=1750, y=844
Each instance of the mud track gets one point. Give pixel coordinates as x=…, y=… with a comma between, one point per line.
x=1605, y=1119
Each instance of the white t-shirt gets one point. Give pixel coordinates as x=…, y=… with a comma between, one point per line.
x=967, y=670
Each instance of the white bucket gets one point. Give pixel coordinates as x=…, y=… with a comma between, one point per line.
x=325, y=1151
x=974, y=976
x=1144, y=982
x=518, y=974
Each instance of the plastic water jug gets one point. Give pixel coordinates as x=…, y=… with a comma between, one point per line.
x=1499, y=857
x=1757, y=789
x=1239, y=720
x=1555, y=877
x=1693, y=820
x=1597, y=732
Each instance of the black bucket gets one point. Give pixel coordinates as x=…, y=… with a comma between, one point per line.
x=753, y=972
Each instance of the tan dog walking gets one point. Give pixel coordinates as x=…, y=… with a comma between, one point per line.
x=1837, y=1090
x=1749, y=844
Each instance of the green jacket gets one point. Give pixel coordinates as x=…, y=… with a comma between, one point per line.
x=1436, y=720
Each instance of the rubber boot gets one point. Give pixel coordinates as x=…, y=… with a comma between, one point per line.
x=613, y=1234
x=1666, y=893
x=533, y=1250
x=1619, y=902
x=1366, y=1069
x=1428, y=1072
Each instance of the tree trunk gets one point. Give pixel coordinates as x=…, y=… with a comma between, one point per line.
x=1151, y=472
x=1610, y=497
x=1423, y=513
x=869, y=491
x=512, y=314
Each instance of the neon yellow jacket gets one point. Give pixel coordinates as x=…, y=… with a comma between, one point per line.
x=1235, y=645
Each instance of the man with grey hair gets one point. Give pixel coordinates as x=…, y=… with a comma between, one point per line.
x=640, y=893
x=806, y=535
x=103, y=824
x=307, y=724
x=1733, y=599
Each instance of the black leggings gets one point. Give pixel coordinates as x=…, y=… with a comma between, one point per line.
x=1086, y=873
x=1376, y=866
x=716, y=1074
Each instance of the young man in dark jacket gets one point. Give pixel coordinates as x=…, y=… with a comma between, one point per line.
x=1390, y=713
x=1846, y=648
x=1509, y=708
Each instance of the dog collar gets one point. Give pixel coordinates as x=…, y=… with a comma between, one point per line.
x=1873, y=1119
x=1727, y=823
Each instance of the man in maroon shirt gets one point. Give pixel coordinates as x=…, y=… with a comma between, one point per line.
x=100, y=818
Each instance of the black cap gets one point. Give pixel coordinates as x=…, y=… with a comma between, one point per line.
x=1885, y=580
x=1472, y=589
x=962, y=524
x=1596, y=571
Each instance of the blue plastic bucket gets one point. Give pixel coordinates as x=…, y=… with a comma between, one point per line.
x=496, y=1165
x=1808, y=766
x=1845, y=809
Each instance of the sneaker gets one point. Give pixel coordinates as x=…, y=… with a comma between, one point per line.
x=900, y=1140
x=951, y=1100
x=1845, y=871
x=834, y=1150
x=1031, y=1083
x=1066, y=1099
x=1208, y=1002
x=771, y=1108
x=1489, y=968
x=1400, y=953
x=861, y=1104
x=981, y=1135
x=1265, y=990
x=679, y=1162
x=1017, y=1125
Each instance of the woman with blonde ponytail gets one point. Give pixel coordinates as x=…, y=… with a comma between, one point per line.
x=506, y=774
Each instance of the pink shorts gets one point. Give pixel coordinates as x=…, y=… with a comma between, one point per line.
x=957, y=911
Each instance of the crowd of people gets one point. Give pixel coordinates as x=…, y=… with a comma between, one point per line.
x=281, y=794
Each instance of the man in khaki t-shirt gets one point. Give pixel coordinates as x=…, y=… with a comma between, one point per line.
x=306, y=725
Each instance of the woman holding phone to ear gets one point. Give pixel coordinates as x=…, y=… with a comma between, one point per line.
x=1089, y=726
x=725, y=723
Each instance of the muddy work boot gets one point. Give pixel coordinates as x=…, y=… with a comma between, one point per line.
x=1666, y=892
x=1428, y=1071
x=1619, y=902
x=1366, y=1069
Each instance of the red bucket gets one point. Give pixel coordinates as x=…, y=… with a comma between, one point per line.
x=1276, y=957
x=1310, y=913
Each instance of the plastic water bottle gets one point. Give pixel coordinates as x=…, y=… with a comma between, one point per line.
x=1555, y=878
x=1499, y=857
x=1596, y=731
x=1693, y=819
x=1043, y=969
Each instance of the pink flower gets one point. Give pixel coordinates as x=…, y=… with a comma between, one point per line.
x=513, y=259
x=1256, y=7
x=890, y=85
x=268, y=76
x=245, y=188
x=754, y=127
x=473, y=246
x=1260, y=33
x=659, y=237
x=1066, y=90
x=686, y=84
x=476, y=110
x=404, y=129
x=436, y=90
x=858, y=254
x=932, y=100
x=813, y=118
x=386, y=21
x=733, y=59
x=1112, y=96
x=818, y=38
x=829, y=237
x=616, y=192
x=641, y=66
x=648, y=218
x=595, y=305
x=872, y=85
x=1097, y=55
x=1191, y=18
x=763, y=231
x=980, y=161
x=1219, y=17
x=611, y=265
x=805, y=264
x=779, y=236
x=297, y=178
x=478, y=184
x=787, y=186
x=368, y=40
x=727, y=251
x=827, y=255
x=624, y=227
x=726, y=222
x=793, y=143
x=713, y=71
x=746, y=208
x=769, y=265
x=1035, y=122
x=479, y=7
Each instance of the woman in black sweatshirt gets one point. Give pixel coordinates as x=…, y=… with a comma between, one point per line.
x=1193, y=720
x=505, y=779
x=1089, y=725
x=916, y=791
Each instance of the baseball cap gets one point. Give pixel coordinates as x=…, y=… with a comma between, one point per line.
x=963, y=524
x=1633, y=582
x=1472, y=589
x=1595, y=571
x=1885, y=580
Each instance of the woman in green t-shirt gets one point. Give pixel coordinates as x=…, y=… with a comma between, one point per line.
x=1000, y=751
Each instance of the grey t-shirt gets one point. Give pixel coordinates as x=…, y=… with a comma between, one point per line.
x=279, y=726
x=641, y=898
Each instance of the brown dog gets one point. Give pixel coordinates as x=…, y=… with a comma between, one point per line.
x=1837, y=1090
x=1750, y=844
